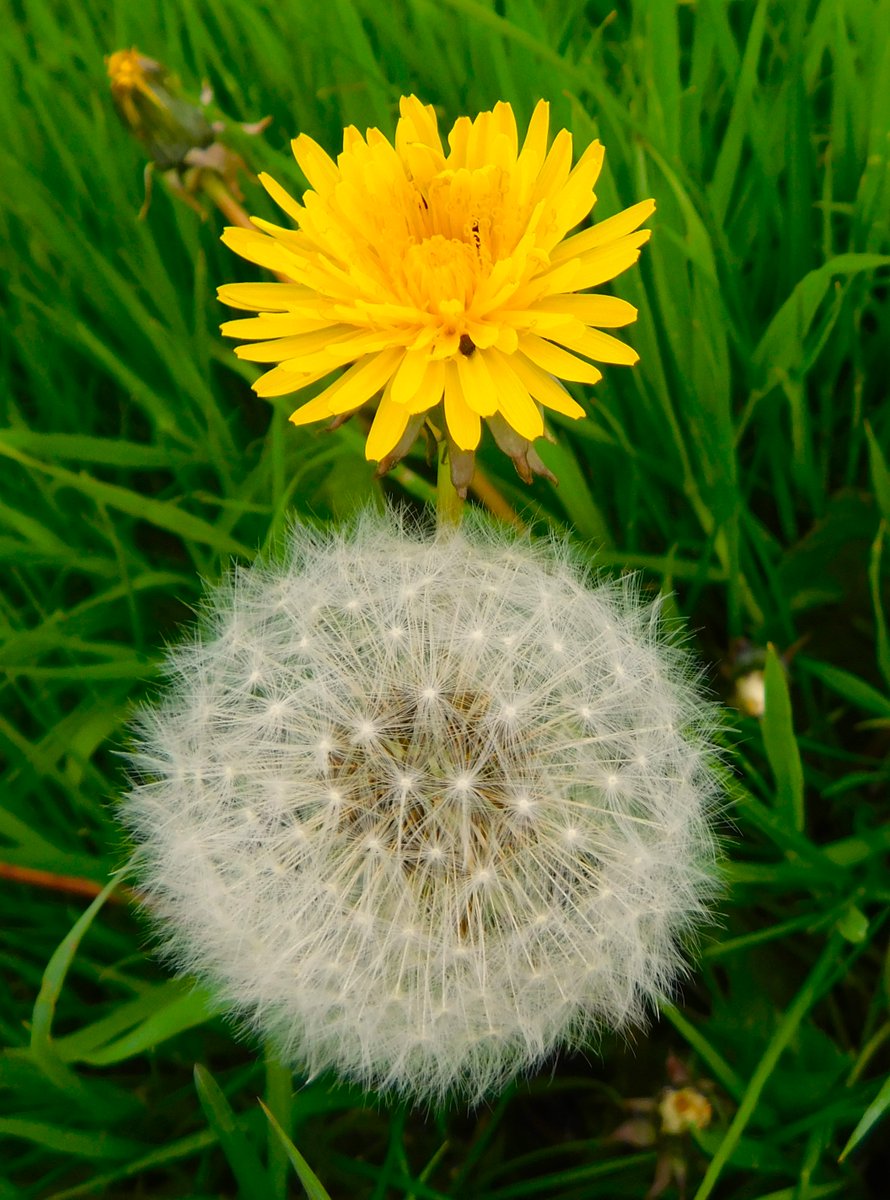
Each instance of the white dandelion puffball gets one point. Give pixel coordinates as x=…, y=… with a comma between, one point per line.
x=423, y=808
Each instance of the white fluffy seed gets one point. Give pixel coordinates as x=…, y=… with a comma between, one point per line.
x=382, y=867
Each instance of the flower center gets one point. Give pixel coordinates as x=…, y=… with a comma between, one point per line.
x=441, y=274
x=421, y=783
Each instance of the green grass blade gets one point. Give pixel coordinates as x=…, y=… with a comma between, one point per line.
x=57, y=969
x=880, y=473
x=882, y=637
x=253, y=1182
x=847, y=685
x=312, y=1185
x=873, y=1115
x=169, y=1020
x=89, y=1144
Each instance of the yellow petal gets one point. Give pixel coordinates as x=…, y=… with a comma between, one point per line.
x=534, y=148
x=292, y=239
x=556, y=168
x=417, y=123
x=606, y=262
x=422, y=164
x=602, y=232
x=388, y=425
x=318, y=166
x=530, y=320
x=478, y=141
x=408, y=378
x=458, y=140
x=588, y=270
x=481, y=335
x=313, y=410
x=273, y=325
x=606, y=312
x=292, y=349
x=560, y=279
x=279, y=382
x=575, y=200
x=463, y=424
x=514, y=402
x=276, y=297
x=351, y=139
x=601, y=347
x=476, y=383
x=282, y=198
x=508, y=340
x=361, y=381
x=337, y=353
x=265, y=251
x=544, y=388
x=557, y=362
x=492, y=139
x=505, y=124
x=429, y=392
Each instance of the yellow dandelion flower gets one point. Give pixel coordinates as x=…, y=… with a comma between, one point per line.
x=439, y=277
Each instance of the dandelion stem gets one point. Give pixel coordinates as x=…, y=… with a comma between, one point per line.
x=215, y=188
x=449, y=502
x=279, y=1101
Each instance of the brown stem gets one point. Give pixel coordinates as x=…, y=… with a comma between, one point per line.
x=215, y=188
x=72, y=885
x=483, y=489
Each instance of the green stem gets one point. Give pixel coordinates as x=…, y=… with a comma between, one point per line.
x=449, y=504
x=279, y=1094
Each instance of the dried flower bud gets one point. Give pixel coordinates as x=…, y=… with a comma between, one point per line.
x=178, y=137
x=149, y=102
x=682, y=1109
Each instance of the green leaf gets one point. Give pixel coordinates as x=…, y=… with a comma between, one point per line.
x=112, y=452
x=180, y=1013
x=575, y=496
x=849, y=686
x=813, y=989
x=781, y=347
x=875, y=1112
x=161, y=513
x=310, y=1181
x=745, y=88
x=880, y=474
x=252, y=1180
x=874, y=577
x=162, y=1157
x=74, y=1047
x=780, y=744
x=82, y=1143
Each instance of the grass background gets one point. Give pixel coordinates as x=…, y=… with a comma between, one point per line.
x=742, y=466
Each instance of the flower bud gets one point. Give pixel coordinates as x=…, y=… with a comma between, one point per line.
x=149, y=102
x=178, y=138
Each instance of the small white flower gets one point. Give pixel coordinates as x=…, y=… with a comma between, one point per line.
x=426, y=861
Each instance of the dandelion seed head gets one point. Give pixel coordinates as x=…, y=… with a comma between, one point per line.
x=421, y=861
